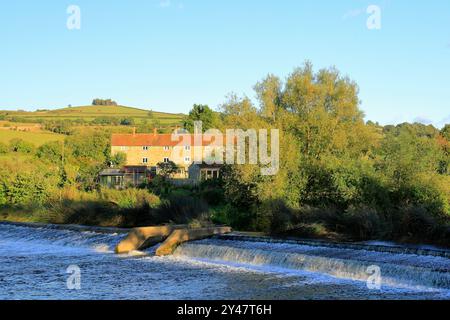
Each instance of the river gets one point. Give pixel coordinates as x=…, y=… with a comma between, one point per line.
x=38, y=263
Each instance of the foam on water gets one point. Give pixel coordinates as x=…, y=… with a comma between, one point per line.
x=398, y=270
x=33, y=264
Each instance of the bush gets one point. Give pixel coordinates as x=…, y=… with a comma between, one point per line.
x=362, y=223
x=181, y=210
x=416, y=223
x=232, y=216
x=105, y=121
x=275, y=217
x=130, y=198
x=61, y=127
x=3, y=148
x=213, y=196
x=19, y=145
x=50, y=151
x=127, y=122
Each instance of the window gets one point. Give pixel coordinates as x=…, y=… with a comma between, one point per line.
x=145, y=148
x=187, y=159
x=187, y=148
x=123, y=148
x=166, y=160
x=166, y=148
x=144, y=160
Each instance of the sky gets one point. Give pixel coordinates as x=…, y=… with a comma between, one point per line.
x=166, y=55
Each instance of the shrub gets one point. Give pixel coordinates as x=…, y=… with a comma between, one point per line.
x=105, y=121
x=127, y=122
x=19, y=145
x=50, y=151
x=232, y=216
x=362, y=223
x=60, y=126
x=181, y=210
x=130, y=198
x=274, y=216
x=213, y=196
x=416, y=223
x=3, y=148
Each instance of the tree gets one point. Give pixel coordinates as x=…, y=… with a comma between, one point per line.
x=268, y=92
x=202, y=113
x=119, y=159
x=166, y=169
x=103, y=102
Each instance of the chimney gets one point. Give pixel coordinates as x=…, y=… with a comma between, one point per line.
x=155, y=132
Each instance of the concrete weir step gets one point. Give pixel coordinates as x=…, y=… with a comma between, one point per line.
x=144, y=237
x=172, y=235
x=182, y=235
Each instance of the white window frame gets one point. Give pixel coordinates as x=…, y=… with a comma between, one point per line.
x=144, y=160
x=145, y=148
x=166, y=148
x=166, y=160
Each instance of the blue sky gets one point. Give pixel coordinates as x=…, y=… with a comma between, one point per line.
x=167, y=55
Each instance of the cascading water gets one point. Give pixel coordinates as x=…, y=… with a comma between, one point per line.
x=57, y=237
x=34, y=262
x=399, y=270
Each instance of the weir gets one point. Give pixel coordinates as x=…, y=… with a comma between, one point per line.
x=402, y=270
x=183, y=235
x=294, y=269
x=171, y=237
x=410, y=270
x=142, y=238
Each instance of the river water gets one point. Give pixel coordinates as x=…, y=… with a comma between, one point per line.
x=34, y=264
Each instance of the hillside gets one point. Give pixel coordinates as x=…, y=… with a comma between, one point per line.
x=36, y=137
x=89, y=113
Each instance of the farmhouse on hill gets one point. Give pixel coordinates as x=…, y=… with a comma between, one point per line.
x=145, y=151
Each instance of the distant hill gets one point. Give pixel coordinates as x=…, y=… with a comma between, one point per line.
x=89, y=113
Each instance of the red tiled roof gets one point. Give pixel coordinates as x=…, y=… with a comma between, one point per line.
x=160, y=140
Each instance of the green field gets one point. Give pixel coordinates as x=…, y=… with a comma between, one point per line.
x=36, y=138
x=89, y=113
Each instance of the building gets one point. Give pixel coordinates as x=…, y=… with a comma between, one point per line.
x=144, y=152
x=126, y=176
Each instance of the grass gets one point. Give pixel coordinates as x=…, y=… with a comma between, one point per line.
x=36, y=138
x=89, y=113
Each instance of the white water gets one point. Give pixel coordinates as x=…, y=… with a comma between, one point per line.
x=33, y=263
x=397, y=270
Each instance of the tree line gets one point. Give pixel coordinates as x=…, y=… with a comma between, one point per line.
x=338, y=174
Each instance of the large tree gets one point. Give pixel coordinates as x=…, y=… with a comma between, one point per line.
x=202, y=113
